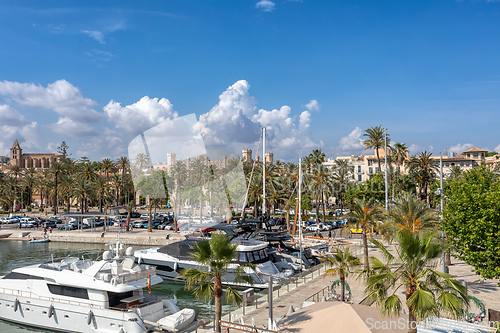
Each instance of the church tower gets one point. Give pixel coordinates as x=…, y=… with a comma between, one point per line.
x=16, y=154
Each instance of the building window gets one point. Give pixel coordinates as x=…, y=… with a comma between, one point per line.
x=370, y=170
x=359, y=168
x=376, y=169
x=462, y=164
x=467, y=164
x=359, y=178
x=447, y=164
x=370, y=162
x=476, y=155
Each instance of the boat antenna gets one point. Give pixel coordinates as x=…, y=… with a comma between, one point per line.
x=299, y=210
x=264, y=172
x=250, y=181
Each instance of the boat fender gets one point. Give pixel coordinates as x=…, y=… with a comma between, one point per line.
x=90, y=317
x=113, y=281
x=17, y=304
x=175, y=266
x=52, y=311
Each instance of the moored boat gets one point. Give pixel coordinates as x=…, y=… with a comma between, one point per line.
x=74, y=294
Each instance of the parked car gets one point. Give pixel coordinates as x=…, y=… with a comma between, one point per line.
x=319, y=227
x=8, y=220
x=55, y=219
x=145, y=216
x=141, y=224
x=49, y=224
x=67, y=227
x=26, y=224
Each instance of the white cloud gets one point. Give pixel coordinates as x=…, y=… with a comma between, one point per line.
x=10, y=116
x=414, y=149
x=68, y=126
x=140, y=116
x=352, y=142
x=305, y=120
x=27, y=135
x=313, y=105
x=98, y=55
x=265, y=5
x=497, y=149
x=459, y=148
x=93, y=147
x=97, y=35
x=60, y=96
x=234, y=124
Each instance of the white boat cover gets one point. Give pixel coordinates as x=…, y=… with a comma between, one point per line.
x=178, y=320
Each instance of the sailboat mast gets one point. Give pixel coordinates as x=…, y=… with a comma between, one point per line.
x=264, y=170
x=300, y=208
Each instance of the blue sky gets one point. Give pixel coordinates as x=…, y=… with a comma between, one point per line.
x=316, y=73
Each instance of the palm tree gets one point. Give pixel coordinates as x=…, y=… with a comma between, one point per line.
x=409, y=213
x=427, y=291
x=399, y=155
x=107, y=166
x=375, y=140
x=142, y=160
x=66, y=186
x=101, y=187
x=124, y=166
x=320, y=186
x=214, y=257
x=341, y=176
x=82, y=190
x=29, y=181
x=178, y=174
x=424, y=171
x=365, y=212
x=340, y=262
x=56, y=169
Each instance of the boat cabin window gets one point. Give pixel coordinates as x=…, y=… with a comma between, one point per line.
x=254, y=256
x=115, y=298
x=21, y=276
x=68, y=291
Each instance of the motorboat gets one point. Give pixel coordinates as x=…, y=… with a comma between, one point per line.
x=41, y=240
x=78, y=294
x=172, y=258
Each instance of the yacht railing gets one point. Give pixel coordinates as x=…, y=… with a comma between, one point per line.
x=29, y=294
x=127, y=276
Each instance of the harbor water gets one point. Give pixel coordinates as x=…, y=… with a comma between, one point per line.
x=14, y=254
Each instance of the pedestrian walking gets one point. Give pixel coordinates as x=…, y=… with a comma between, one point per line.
x=329, y=235
x=44, y=231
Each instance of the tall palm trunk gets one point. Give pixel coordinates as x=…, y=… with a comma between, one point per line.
x=412, y=318
x=365, y=249
x=218, y=303
x=56, y=203
x=288, y=220
x=342, y=286
x=323, y=204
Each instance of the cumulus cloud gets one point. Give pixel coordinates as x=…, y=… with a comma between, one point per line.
x=460, y=148
x=234, y=123
x=265, y=5
x=109, y=138
x=313, y=105
x=68, y=126
x=352, y=142
x=27, y=135
x=97, y=35
x=10, y=116
x=140, y=116
x=60, y=96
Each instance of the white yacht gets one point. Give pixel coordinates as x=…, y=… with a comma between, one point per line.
x=84, y=295
x=172, y=258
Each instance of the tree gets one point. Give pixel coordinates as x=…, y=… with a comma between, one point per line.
x=63, y=150
x=340, y=262
x=427, y=291
x=376, y=140
x=471, y=215
x=365, y=212
x=56, y=169
x=409, y=213
x=214, y=257
x=424, y=171
x=399, y=155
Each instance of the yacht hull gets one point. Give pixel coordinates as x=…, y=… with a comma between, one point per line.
x=34, y=312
